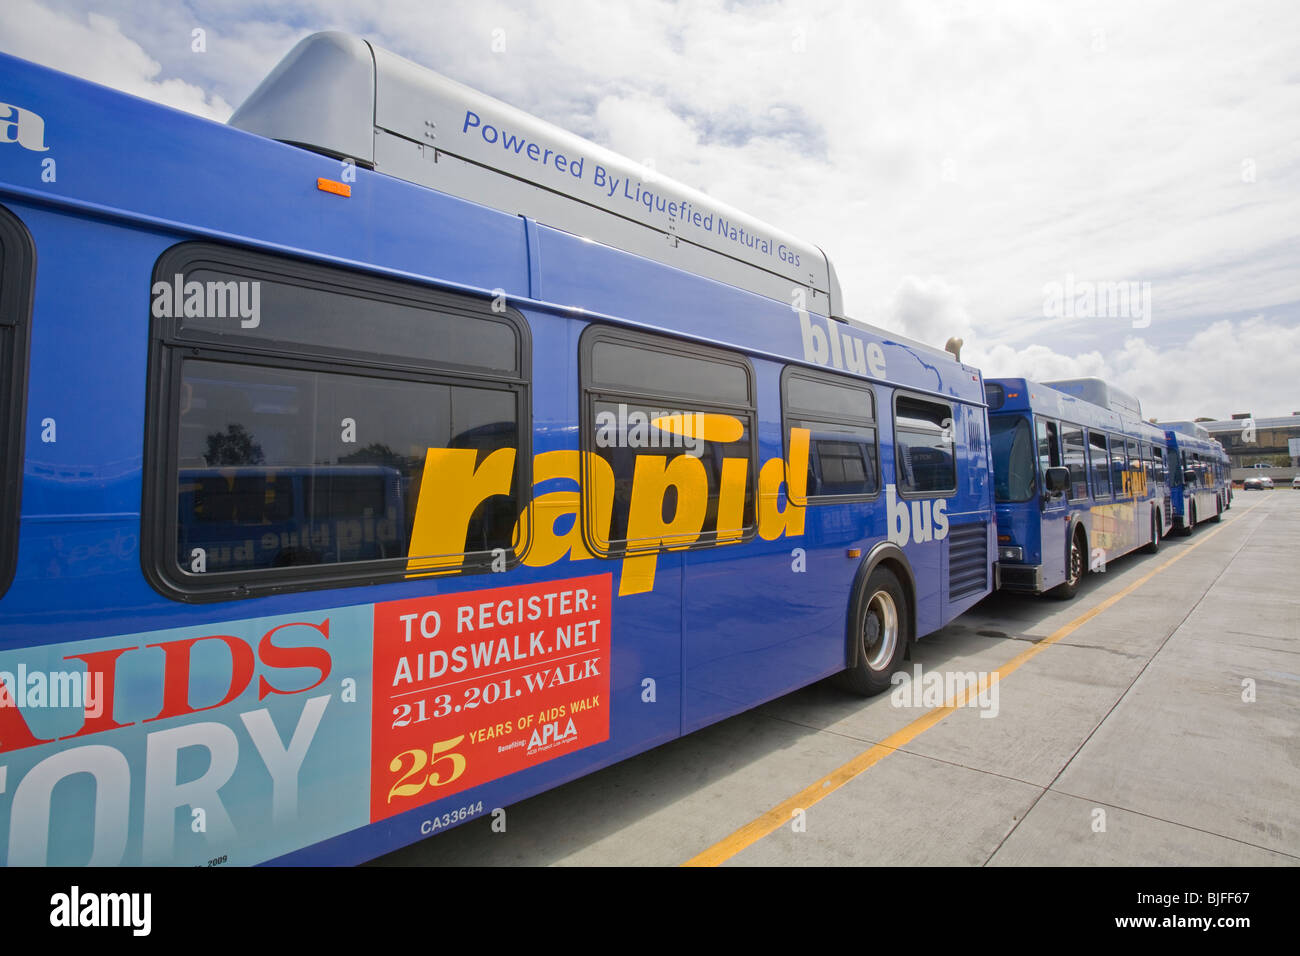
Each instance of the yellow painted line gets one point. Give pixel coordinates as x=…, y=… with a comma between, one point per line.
x=782, y=813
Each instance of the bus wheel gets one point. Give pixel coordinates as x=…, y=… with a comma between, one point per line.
x=881, y=628
x=1218, y=510
x=1075, y=566
x=1153, y=546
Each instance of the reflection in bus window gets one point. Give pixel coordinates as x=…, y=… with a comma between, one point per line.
x=1013, y=459
x=1072, y=440
x=1100, y=456
x=286, y=467
x=924, y=435
x=840, y=416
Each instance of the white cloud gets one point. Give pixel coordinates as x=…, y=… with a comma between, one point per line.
x=1172, y=382
x=94, y=47
x=951, y=158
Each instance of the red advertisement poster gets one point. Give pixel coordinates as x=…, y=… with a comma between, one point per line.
x=471, y=687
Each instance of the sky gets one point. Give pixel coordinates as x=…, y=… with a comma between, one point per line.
x=1101, y=188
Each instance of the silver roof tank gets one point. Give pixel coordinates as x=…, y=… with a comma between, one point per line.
x=1194, y=429
x=337, y=94
x=1099, y=393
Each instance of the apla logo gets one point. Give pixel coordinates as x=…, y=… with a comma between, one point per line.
x=23, y=127
x=547, y=735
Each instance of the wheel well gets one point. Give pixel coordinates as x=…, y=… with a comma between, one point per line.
x=899, y=568
x=904, y=576
x=1079, y=532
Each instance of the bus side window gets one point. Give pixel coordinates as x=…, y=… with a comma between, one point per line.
x=1049, y=449
x=1134, y=477
x=305, y=466
x=17, y=270
x=674, y=423
x=1119, y=483
x=1075, y=461
x=1099, y=453
x=924, y=446
x=840, y=415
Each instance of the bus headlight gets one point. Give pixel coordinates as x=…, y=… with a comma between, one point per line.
x=1011, y=554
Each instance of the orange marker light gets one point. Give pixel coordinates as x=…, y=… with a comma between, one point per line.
x=330, y=186
x=855, y=552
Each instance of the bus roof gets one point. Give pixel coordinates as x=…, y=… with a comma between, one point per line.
x=1022, y=395
x=1195, y=436
x=1099, y=393
x=340, y=95
x=1192, y=429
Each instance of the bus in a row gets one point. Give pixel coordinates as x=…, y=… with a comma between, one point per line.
x=1079, y=479
x=1205, y=489
x=386, y=456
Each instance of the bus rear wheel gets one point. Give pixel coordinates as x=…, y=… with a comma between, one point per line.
x=1075, y=565
x=1218, y=510
x=1153, y=546
x=881, y=626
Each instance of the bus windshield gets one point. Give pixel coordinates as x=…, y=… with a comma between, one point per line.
x=1013, y=458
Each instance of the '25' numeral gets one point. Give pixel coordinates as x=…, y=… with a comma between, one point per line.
x=421, y=759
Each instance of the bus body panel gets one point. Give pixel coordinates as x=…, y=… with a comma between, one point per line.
x=271, y=711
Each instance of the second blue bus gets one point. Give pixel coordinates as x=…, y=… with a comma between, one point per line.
x=1079, y=479
x=1205, y=489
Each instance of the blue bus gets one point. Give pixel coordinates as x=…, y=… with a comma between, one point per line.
x=1202, y=484
x=1079, y=479
x=387, y=456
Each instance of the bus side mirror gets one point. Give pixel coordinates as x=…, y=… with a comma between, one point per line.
x=1189, y=477
x=1058, y=480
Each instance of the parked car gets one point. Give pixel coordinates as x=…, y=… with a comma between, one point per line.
x=1295, y=482
x=1263, y=483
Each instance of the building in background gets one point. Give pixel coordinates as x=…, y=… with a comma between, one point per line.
x=1260, y=446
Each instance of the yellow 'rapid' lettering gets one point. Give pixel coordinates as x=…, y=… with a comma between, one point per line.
x=652, y=476
x=771, y=522
x=731, y=499
x=451, y=488
x=544, y=511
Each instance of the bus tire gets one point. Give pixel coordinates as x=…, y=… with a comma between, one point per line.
x=1218, y=510
x=1076, y=566
x=1153, y=546
x=882, y=626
